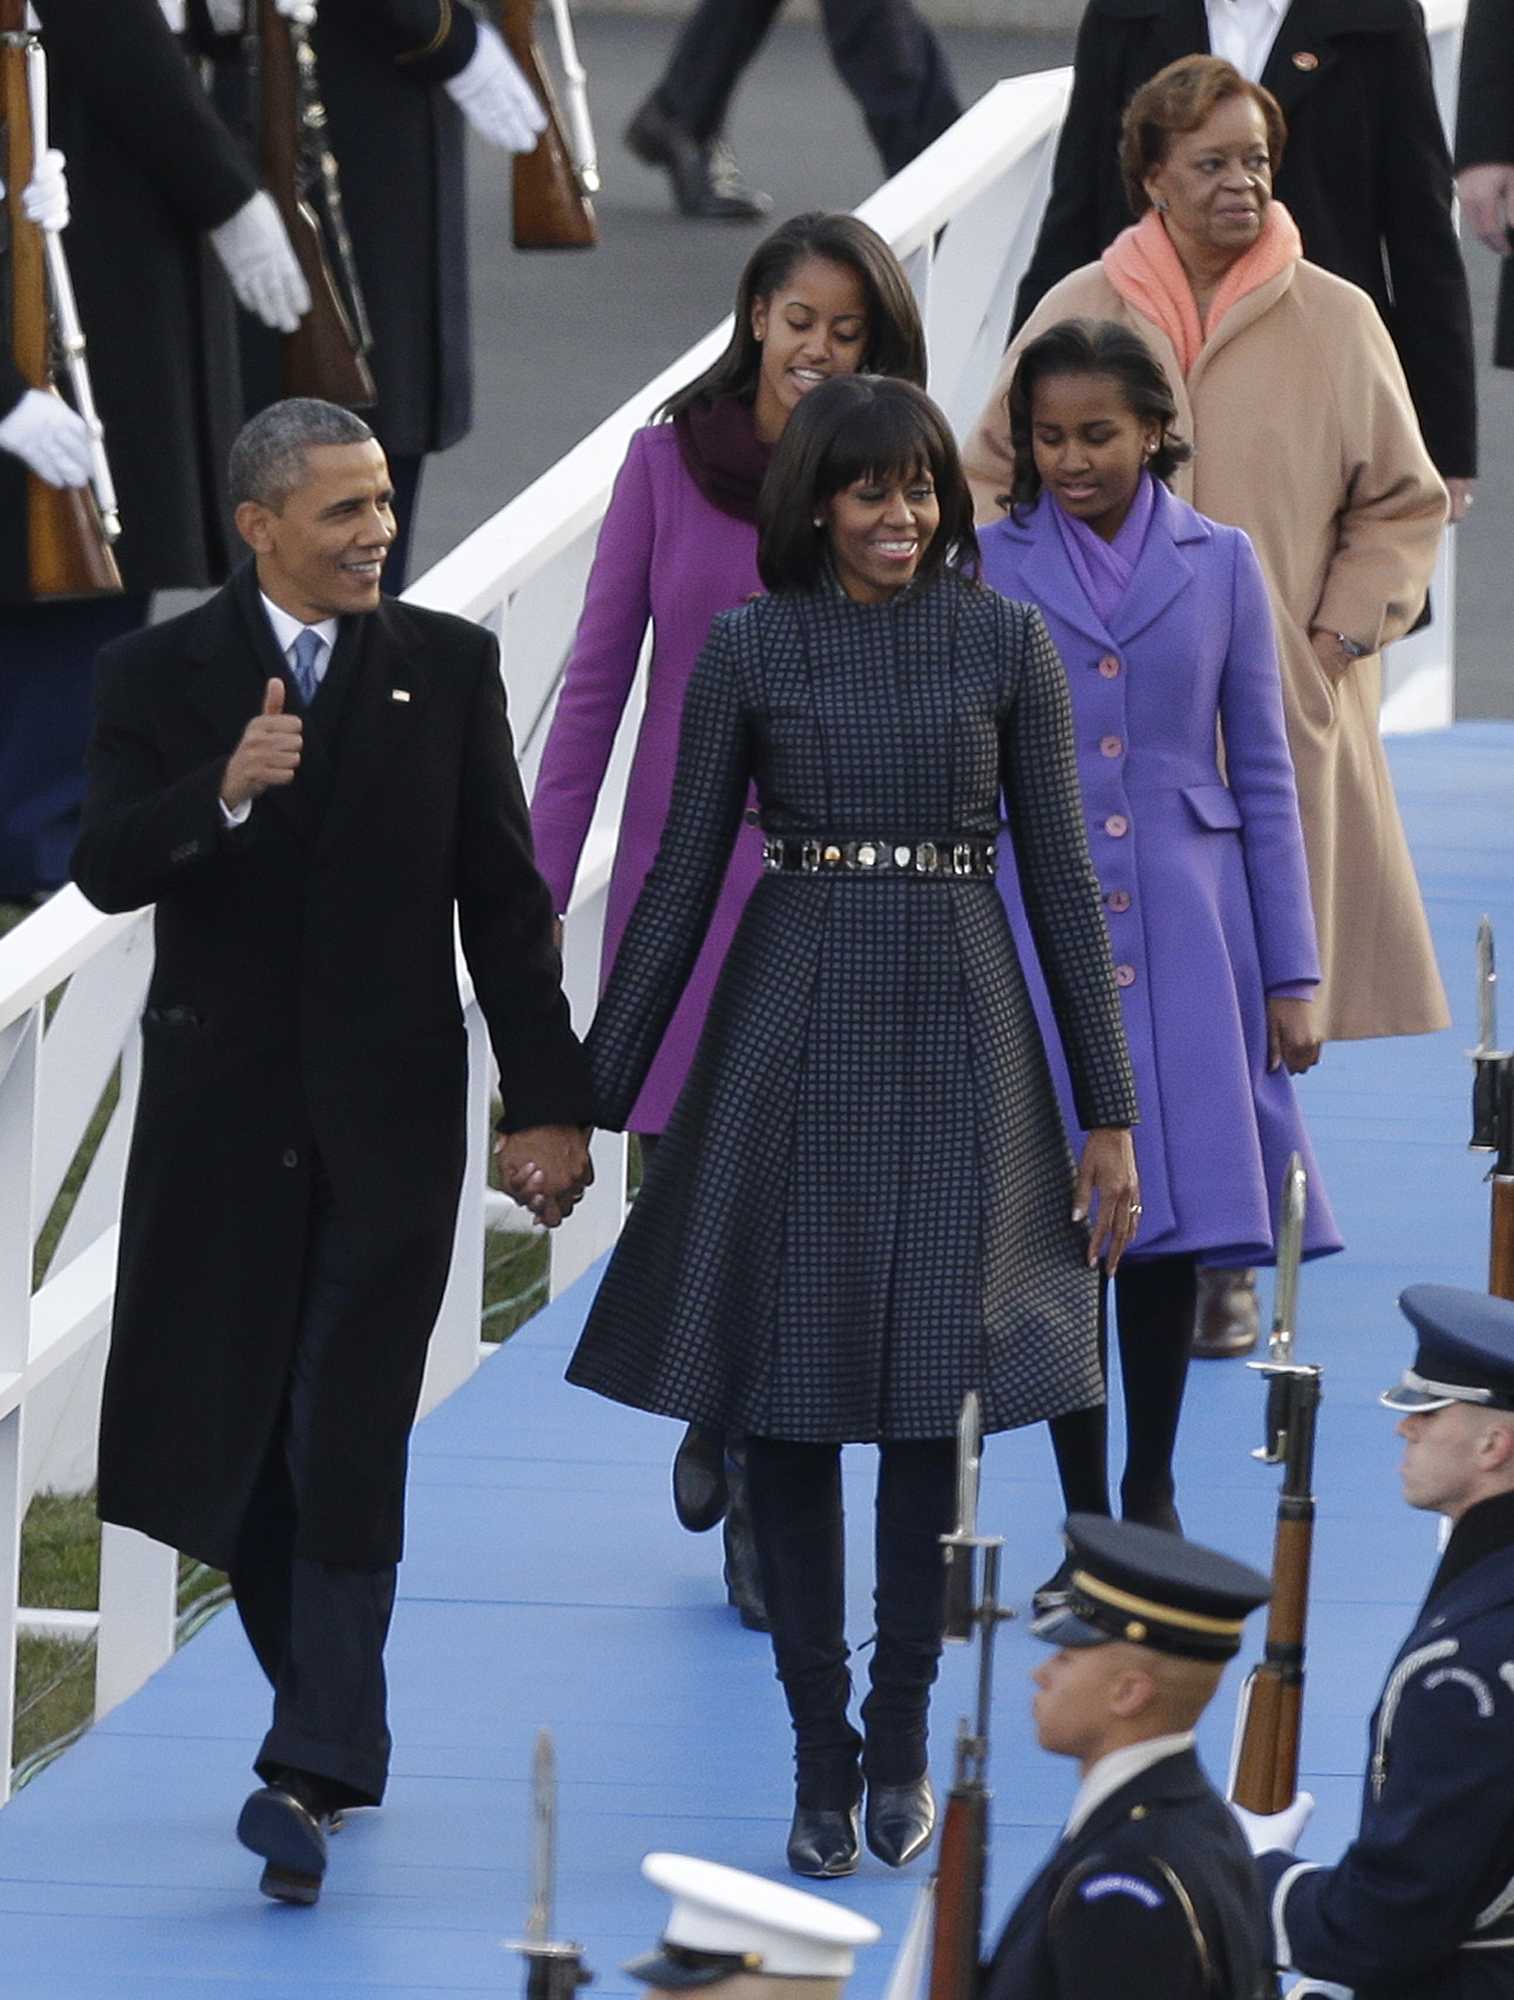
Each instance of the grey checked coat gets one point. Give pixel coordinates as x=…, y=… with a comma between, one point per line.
x=860, y=1208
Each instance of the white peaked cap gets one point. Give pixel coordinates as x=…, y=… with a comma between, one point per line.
x=719, y=1909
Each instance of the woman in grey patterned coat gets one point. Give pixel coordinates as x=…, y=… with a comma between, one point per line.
x=864, y=1204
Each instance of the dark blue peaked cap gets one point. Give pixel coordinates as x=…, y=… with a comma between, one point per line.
x=1151, y=1588
x=1465, y=1352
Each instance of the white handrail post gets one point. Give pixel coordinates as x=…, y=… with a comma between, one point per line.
x=20, y=1092
x=139, y=1596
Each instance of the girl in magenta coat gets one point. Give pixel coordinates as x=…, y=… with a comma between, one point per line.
x=822, y=295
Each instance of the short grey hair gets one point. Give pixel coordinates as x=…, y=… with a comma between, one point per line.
x=268, y=459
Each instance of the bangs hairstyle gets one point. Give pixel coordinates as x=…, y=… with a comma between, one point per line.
x=850, y=428
x=1177, y=100
x=1090, y=347
x=895, y=336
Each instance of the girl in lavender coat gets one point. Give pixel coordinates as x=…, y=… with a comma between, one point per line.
x=822, y=295
x=1162, y=621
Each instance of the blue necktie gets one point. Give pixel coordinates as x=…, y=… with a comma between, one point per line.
x=308, y=648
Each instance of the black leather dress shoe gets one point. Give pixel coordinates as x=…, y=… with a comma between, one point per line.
x=899, y=1820
x=706, y=179
x=286, y=1823
x=824, y=1841
x=700, y=1492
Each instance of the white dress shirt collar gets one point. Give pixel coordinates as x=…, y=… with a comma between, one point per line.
x=287, y=628
x=1243, y=31
x=1106, y=1777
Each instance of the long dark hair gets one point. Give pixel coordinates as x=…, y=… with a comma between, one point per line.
x=1091, y=347
x=895, y=337
x=849, y=428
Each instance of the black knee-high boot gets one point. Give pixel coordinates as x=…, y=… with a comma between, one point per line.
x=916, y=1502
x=1154, y=1306
x=794, y=1491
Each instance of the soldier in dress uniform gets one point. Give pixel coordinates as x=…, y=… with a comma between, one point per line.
x=1149, y=1892
x=1422, y=1901
x=751, y=1938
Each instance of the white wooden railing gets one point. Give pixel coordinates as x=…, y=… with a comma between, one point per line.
x=963, y=218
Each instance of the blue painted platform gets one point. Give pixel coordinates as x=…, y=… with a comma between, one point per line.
x=548, y=1583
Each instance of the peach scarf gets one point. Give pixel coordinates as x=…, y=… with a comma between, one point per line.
x=1147, y=273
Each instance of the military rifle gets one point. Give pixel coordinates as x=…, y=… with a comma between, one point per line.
x=327, y=354
x=552, y=209
x=69, y=531
x=554, y=1971
x=1264, y=1774
x=1493, y=1117
x=961, y=1860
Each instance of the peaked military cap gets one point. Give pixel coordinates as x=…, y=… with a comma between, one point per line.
x=724, y=1922
x=1465, y=1352
x=1153, y=1589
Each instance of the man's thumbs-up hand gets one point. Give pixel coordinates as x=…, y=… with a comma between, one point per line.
x=268, y=754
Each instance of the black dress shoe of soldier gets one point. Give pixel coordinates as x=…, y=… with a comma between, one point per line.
x=824, y=1841
x=700, y=1492
x=899, y=1820
x=706, y=179
x=286, y=1823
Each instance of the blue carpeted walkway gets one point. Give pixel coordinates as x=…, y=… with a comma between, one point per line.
x=547, y=1583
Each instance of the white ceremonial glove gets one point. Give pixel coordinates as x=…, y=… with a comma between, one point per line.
x=173, y=13
x=302, y=11
x=52, y=439
x=1271, y=1833
x=495, y=97
x=265, y=274
x=44, y=199
x=227, y=17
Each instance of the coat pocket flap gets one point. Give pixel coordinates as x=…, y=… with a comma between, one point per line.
x=1214, y=806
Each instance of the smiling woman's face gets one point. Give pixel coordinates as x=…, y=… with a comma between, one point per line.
x=879, y=528
x=813, y=326
x=1216, y=182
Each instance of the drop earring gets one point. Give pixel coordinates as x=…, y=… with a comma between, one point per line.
x=1159, y=203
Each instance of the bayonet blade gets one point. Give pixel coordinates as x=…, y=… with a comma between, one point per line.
x=969, y=1463
x=1290, y=1246
x=1487, y=989
x=543, y=1839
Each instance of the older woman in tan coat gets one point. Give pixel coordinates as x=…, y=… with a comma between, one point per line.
x=1304, y=435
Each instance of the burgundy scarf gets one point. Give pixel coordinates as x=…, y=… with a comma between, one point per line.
x=723, y=454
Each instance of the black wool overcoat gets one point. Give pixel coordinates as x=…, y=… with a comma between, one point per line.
x=860, y=1208
x=1366, y=175
x=304, y=1002
x=150, y=170
x=1153, y=1897
x=1485, y=126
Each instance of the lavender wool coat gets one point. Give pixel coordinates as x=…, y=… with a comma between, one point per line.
x=666, y=554
x=1205, y=887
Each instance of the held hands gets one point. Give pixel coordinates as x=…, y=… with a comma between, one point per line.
x=546, y=1169
x=1279, y=1832
x=495, y=97
x=265, y=274
x=1107, y=1176
x=51, y=439
x=1487, y=199
x=268, y=754
x=1292, y=1042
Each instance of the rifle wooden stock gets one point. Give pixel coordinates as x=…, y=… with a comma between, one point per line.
x=551, y=210
x=1501, y=1238
x=323, y=356
x=1266, y=1776
x=958, y=1922
x=67, y=554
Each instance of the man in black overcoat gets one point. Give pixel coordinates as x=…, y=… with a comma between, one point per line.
x=1366, y=175
x=162, y=198
x=1485, y=148
x=1149, y=1892
x=308, y=779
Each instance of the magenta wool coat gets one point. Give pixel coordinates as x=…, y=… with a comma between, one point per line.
x=666, y=554
x=1205, y=887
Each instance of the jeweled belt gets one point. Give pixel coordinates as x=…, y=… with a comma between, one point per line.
x=933, y=860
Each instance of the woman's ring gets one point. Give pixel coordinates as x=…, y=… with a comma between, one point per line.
x=1135, y=1208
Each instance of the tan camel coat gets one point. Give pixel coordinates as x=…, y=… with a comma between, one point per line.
x=1304, y=436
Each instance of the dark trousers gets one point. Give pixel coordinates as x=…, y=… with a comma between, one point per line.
x=1154, y=1305
x=887, y=57
x=317, y=1628
x=795, y=1495
x=47, y=670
